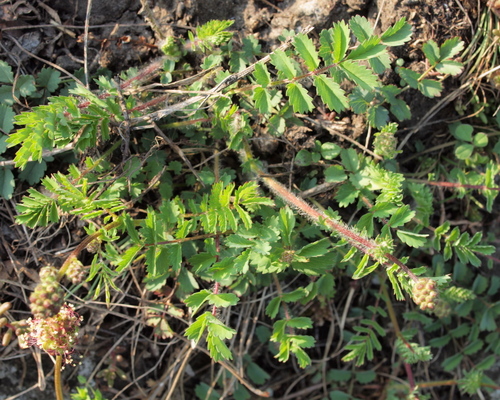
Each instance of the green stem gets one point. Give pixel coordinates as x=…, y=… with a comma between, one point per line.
x=57, y=378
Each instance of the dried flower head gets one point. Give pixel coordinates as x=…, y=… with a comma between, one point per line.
x=56, y=335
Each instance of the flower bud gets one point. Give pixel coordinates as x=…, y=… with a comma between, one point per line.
x=4, y=307
x=76, y=271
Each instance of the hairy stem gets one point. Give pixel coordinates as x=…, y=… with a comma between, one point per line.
x=364, y=244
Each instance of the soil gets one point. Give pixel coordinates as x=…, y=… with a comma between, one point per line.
x=125, y=33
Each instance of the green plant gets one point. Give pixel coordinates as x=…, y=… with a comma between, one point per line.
x=86, y=392
x=13, y=89
x=217, y=237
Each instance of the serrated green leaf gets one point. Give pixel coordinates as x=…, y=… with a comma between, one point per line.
x=6, y=118
x=3, y=144
x=331, y=93
x=238, y=241
x=340, y=36
x=305, y=47
x=400, y=109
x=294, y=296
x=440, y=341
x=486, y=363
x=6, y=74
x=300, y=323
x=196, y=330
x=397, y=34
x=7, y=183
x=339, y=375
x=450, y=363
x=286, y=225
x=25, y=85
x=315, y=249
x=360, y=74
x=222, y=299
x=218, y=349
x=273, y=307
x=206, y=392
x=431, y=51
x=409, y=76
x=218, y=329
x=362, y=269
x=299, y=99
x=378, y=116
x=262, y=100
x=256, y=374
x=37, y=209
x=33, y=172
x=350, y=159
x=261, y=75
x=473, y=347
x=401, y=216
x=335, y=173
x=327, y=46
x=451, y=47
x=202, y=261
x=302, y=357
x=450, y=67
x=367, y=49
x=196, y=300
x=128, y=257
x=347, y=194
x=430, y=88
x=244, y=216
x=283, y=64
x=361, y=27
x=412, y=239
x=365, y=377
x=49, y=79
x=381, y=63
x=488, y=320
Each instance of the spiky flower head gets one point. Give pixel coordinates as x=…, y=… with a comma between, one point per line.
x=385, y=143
x=76, y=271
x=56, y=335
x=425, y=293
x=48, y=296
